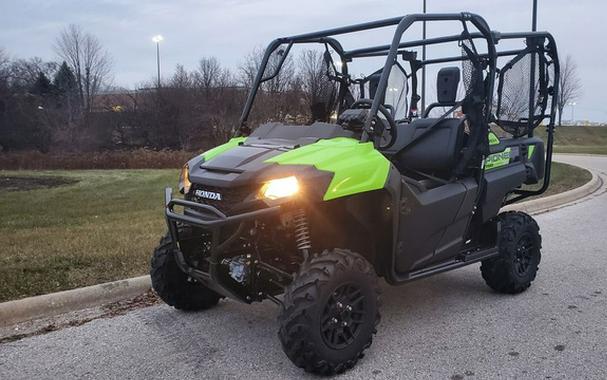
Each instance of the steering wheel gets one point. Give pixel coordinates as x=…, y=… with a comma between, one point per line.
x=388, y=136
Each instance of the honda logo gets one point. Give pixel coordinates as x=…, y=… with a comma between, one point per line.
x=208, y=195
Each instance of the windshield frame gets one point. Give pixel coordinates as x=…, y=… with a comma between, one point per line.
x=391, y=53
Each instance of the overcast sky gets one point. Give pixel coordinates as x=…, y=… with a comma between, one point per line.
x=228, y=29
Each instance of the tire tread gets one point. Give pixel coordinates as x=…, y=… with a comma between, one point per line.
x=173, y=286
x=302, y=294
x=497, y=272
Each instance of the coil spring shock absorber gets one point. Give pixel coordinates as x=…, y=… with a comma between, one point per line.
x=302, y=232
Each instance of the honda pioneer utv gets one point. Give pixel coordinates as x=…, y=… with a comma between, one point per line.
x=333, y=180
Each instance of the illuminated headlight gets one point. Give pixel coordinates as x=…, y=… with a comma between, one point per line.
x=184, y=180
x=280, y=188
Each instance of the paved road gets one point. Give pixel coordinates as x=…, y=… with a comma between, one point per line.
x=450, y=326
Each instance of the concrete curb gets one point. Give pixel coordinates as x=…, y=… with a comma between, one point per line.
x=13, y=312
x=48, y=305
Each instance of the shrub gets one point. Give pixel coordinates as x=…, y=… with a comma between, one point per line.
x=131, y=159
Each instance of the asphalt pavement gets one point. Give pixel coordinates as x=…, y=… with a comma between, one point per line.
x=450, y=326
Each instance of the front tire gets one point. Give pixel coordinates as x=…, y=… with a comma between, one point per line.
x=330, y=313
x=173, y=286
x=519, y=245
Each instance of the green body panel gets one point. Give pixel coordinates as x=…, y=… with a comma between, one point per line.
x=493, y=139
x=209, y=154
x=357, y=166
x=500, y=159
x=497, y=160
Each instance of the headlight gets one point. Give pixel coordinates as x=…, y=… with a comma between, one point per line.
x=280, y=188
x=184, y=180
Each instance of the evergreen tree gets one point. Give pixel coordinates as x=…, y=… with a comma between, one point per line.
x=42, y=86
x=66, y=88
x=65, y=80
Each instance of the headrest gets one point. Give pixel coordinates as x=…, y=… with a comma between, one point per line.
x=447, y=81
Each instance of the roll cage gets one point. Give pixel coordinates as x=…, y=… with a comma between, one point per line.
x=479, y=100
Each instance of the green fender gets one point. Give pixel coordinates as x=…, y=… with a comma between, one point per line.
x=357, y=167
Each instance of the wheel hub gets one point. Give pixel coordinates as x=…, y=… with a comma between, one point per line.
x=523, y=255
x=342, y=316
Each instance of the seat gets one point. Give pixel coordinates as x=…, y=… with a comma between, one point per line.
x=447, y=82
x=437, y=153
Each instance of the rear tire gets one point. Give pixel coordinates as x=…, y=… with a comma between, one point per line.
x=330, y=313
x=173, y=286
x=519, y=244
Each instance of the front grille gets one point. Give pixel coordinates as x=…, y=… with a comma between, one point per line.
x=231, y=197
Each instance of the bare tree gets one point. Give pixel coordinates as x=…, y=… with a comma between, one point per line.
x=87, y=58
x=24, y=72
x=277, y=93
x=4, y=70
x=514, y=105
x=570, y=86
x=285, y=74
x=279, y=77
x=181, y=78
x=225, y=79
x=4, y=60
x=319, y=91
x=209, y=72
x=249, y=68
x=212, y=79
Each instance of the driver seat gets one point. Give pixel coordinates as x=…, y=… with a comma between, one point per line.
x=438, y=152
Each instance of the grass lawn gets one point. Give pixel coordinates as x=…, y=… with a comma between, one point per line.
x=100, y=228
x=591, y=140
x=565, y=177
x=83, y=227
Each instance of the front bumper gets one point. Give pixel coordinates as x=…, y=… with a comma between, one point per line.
x=211, y=220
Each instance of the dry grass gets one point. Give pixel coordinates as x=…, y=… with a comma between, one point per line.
x=566, y=177
x=591, y=140
x=101, y=228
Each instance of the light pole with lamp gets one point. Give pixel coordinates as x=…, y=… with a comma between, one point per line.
x=157, y=40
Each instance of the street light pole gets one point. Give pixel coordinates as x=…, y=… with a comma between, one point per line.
x=424, y=66
x=157, y=40
x=534, y=17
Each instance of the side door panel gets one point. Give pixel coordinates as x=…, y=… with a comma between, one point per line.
x=432, y=223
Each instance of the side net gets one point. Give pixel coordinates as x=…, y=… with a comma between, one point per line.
x=472, y=75
x=521, y=104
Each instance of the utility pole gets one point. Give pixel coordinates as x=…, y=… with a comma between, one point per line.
x=424, y=66
x=534, y=20
x=157, y=40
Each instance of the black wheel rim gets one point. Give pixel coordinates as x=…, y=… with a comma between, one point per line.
x=343, y=316
x=523, y=256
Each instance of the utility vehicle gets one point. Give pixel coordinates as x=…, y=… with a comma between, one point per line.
x=308, y=208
